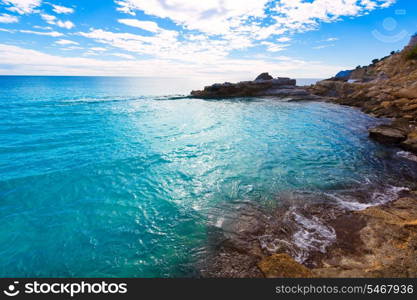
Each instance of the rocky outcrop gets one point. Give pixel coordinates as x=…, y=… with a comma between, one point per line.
x=264, y=76
x=263, y=85
x=387, y=134
x=410, y=143
x=386, y=245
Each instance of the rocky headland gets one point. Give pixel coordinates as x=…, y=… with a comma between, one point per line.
x=263, y=85
x=386, y=88
x=379, y=241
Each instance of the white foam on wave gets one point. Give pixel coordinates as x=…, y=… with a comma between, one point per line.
x=219, y=222
x=348, y=202
x=407, y=155
x=273, y=245
x=387, y=195
x=312, y=235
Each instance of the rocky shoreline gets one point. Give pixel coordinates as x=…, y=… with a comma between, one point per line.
x=379, y=241
x=376, y=242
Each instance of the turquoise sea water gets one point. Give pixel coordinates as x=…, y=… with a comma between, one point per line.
x=100, y=178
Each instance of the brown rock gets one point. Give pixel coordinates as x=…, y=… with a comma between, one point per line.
x=409, y=107
x=410, y=143
x=387, y=134
x=410, y=92
x=388, y=244
x=283, y=266
x=401, y=102
x=386, y=104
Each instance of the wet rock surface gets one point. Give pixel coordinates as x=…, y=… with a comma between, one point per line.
x=283, y=266
x=386, y=246
x=379, y=241
x=387, y=134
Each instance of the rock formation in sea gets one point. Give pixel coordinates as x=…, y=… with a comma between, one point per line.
x=263, y=85
x=386, y=88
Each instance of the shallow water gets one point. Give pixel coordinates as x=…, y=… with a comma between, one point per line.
x=99, y=179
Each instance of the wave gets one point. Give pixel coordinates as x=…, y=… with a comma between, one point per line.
x=407, y=155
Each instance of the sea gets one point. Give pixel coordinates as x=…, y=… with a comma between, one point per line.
x=127, y=177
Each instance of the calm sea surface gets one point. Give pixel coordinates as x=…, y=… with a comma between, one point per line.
x=100, y=177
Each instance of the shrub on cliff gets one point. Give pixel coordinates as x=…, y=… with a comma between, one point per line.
x=412, y=54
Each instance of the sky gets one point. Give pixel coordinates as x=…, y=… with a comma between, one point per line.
x=220, y=40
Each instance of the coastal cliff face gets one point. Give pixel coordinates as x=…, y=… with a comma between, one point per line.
x=386, y=88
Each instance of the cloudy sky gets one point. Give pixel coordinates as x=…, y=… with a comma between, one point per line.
x=221, y=39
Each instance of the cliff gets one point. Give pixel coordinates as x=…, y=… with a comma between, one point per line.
x=385, y=88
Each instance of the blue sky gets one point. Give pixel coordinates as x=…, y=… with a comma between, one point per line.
x=211, y=39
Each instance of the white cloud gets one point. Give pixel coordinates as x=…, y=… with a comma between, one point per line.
x=274, y=47
x=301, y=15
x=17, y=60
x=48, y=33
x=54, y=21
x=145, y=25
x=98, y=49
x=212, y=16
x=6, y=18
x=7, y=30
x=71, y=48
x=66, y=42
x=257, y=18
x=209, y=32
x=48, y=18
x=283, y=39
x=22, y=6
x=42, y=27
x=332, y=39
x=122, y=55
x=167, y=44
x=65, y=24
x=323, y=46
x=62, y=9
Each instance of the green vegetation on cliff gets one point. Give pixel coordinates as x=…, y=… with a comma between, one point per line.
x=412, y=54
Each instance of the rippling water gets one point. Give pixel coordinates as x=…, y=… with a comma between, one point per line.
x=97, y=178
